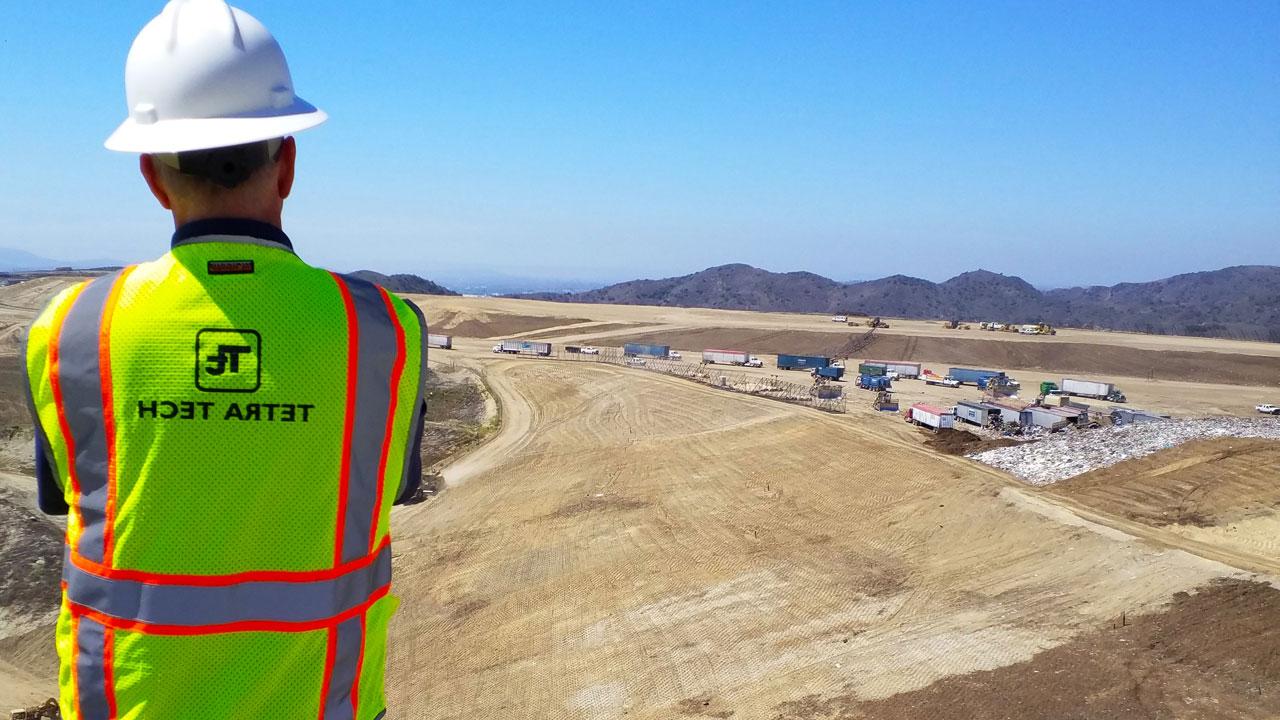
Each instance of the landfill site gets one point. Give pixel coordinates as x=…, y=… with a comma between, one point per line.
x=687, y=513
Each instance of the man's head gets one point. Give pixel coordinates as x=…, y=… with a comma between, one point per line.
x=246, y=181
x=207, y=88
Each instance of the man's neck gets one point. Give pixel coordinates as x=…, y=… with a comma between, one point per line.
x=184, y=216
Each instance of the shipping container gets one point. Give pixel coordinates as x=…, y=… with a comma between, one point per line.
x=641, y=349
x=978, y=413
x=526, y=347
x=969, y=376
x=871, y=369
x=1090, y=389
x=904, y=369
x=832, y=372
x=1010, y=414
x=1129, y=416
x=931, y=416
x=725, y=357
x=1051, y=418
x=802, y=362
x=444, y=342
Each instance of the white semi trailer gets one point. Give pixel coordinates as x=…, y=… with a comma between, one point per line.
x=730, y=357
x=1090, y=389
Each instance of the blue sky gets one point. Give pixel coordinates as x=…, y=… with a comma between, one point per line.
x=1071, y=143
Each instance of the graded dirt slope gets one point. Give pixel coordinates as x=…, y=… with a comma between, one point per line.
x=994, y=351
x=1223, y=492
x=643, y=547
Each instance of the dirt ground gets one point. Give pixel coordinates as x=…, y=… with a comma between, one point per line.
x=1211, y=654
x=961, y=442
x=1203, y=483
x=486, y=325
x=632, y=545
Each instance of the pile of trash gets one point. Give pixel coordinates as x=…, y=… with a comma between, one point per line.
x=1067, y=454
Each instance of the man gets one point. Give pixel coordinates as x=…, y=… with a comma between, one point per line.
x=226, y=426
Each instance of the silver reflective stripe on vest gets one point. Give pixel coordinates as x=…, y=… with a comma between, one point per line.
x=377, y=350
x=80, y=375
x=91, y=670
x=346, y=666
x=199, y=605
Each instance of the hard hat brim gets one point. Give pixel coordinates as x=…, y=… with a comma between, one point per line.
x=187, y=134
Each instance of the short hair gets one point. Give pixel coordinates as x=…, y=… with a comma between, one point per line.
x=224, y=167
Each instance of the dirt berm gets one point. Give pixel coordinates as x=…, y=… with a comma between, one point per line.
x=1083, y=358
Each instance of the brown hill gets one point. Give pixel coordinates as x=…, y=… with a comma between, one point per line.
x=1238, y=302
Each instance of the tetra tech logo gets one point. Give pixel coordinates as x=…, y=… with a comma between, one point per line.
x=228, y=360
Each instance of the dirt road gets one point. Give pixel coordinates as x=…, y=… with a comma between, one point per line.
x=646, y=547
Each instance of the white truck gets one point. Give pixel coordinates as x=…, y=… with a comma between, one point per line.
x=931, y=379
x=444, y=342
x=840, y=318
x=1090, y=389
x=1268, y=409
x=674, y=355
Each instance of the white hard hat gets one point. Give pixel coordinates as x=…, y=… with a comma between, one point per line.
x=205, y=75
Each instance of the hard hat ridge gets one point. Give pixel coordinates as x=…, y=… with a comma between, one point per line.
x=203, y=74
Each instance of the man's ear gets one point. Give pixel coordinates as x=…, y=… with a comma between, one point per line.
x=147, y=165
x=285, y=163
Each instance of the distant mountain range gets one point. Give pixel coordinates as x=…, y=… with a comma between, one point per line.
x=13, y=260
x=1240, y=302
x=402, y=283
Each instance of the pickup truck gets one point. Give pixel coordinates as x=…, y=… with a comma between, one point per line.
x=674, y=355
x=588, y=350
x=1268, y=409
x=939, y=380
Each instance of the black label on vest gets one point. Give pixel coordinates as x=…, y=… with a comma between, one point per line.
x=230, y=267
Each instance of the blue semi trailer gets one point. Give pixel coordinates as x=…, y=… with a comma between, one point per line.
x=874, y=382
x=802, y=362
x=969, y=376
x=641, y=349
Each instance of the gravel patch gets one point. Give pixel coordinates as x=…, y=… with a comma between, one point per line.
x=1070, y=453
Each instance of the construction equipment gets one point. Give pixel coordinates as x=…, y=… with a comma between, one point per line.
x=1037, y=329
x=205, y=75
x=885, y=401
x=48, y=711
x=876, y=322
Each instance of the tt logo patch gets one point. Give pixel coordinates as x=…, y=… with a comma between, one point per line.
x=228, y=360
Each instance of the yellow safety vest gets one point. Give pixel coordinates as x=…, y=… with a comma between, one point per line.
x=230, y=427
